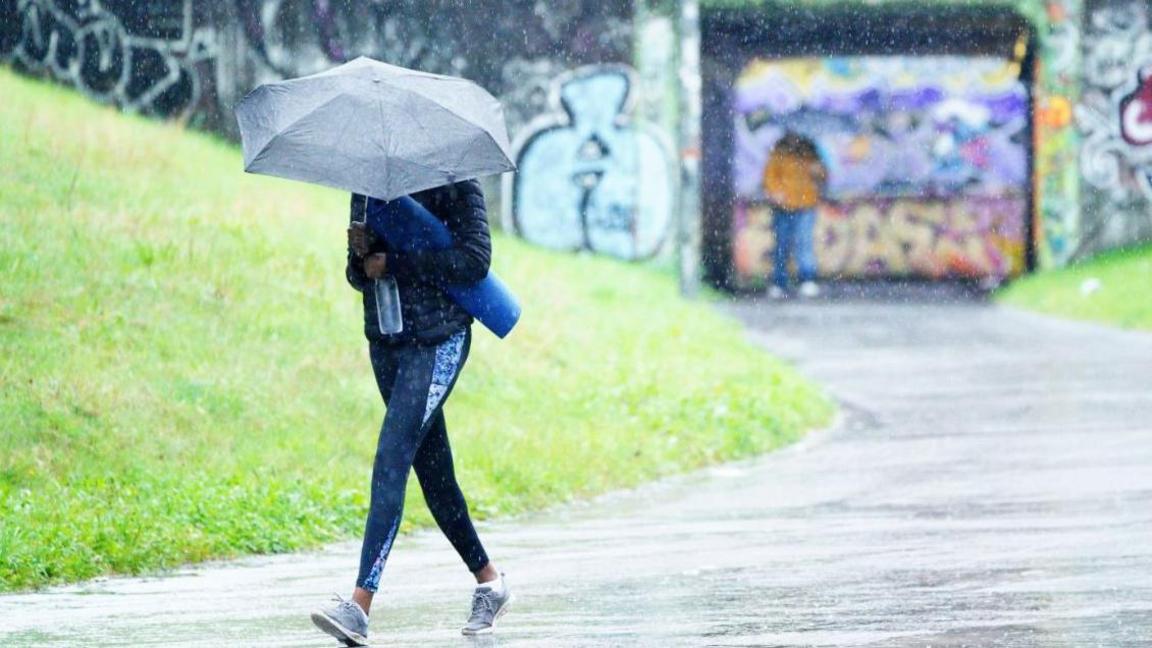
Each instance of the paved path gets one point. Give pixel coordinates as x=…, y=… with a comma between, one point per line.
x=991, y=486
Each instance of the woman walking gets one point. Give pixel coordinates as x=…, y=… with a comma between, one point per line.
x=416, y=370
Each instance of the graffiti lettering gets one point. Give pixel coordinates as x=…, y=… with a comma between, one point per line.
x=975, y=237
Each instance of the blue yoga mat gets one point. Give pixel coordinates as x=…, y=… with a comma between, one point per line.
x=409, y=227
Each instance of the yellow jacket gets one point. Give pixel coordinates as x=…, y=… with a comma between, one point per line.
x=793, y=181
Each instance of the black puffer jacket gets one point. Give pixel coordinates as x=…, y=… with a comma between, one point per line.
x=429, y=315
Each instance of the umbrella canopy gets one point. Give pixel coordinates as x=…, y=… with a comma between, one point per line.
x=374, y=129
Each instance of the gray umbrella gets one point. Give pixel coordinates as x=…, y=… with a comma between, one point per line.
x=374, y=129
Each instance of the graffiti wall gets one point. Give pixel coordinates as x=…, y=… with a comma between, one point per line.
x=585, y=161
x=590, y=178
x=1057, y=181
x=887, y=237
x=196, y=59
x=934, y=135
x=511, y=47
x=927, y=161
x=1114, y=116
x=152, y=59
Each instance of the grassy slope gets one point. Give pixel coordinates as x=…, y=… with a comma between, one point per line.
x=182, y=372
x=1123, y=296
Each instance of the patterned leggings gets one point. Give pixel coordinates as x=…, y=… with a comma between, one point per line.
x=415, y=382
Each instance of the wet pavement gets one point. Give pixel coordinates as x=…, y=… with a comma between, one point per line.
x=990, y=484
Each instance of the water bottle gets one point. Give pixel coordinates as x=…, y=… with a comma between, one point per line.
x=388, y=306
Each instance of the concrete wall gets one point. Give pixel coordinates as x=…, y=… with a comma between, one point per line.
x=1114, y=117
x=1094, y=128
x=194, y=60
x=1088, y=64
x=926, y=135
x=1091, y=141
x=927, y=159
x=609, y=183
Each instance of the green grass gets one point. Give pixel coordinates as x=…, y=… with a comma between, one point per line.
x=183, y=374
x=1112, y=288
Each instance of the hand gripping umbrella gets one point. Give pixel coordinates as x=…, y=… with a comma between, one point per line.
x=383, y=131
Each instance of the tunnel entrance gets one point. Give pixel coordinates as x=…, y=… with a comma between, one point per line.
x=922, y=116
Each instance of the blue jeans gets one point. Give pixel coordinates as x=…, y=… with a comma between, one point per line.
x=795, y=236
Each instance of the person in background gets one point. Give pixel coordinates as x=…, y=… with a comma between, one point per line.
x=794, y=181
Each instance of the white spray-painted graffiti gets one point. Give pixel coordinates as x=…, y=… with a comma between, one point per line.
x=510, y=47
x=1115, y=119
x=144, y=64
x=589, y=178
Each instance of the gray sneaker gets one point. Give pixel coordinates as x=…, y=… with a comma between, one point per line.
x=487, y=608
x=345, y=621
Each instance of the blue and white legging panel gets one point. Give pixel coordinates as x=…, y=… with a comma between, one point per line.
x=444, y=369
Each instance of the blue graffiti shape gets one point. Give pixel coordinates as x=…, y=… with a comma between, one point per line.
x=590, y=179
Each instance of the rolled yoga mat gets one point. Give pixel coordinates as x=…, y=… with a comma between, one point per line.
x=409, y=227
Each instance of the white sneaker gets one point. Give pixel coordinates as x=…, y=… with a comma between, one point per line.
x=809, y=289
x=776, y=293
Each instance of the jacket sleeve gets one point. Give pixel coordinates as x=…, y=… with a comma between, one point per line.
x=354, y=270
x=773, y=177
x=470, y=256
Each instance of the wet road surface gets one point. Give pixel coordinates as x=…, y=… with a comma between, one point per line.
x=990, y=485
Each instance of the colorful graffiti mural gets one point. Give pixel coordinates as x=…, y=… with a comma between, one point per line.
x=146, y=60
x=978, y=237
x=1057, y=142
x=1114, y=116
x=903, y=139
x=935, y=126
x=927, y=161
x=589, y=177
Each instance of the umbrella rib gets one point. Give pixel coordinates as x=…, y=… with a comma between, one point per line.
x=424, y=166
x=483, y=133
x=285, y=128
x=387, y=136
x=471, y=84
x=423, y=128
x=433, y=102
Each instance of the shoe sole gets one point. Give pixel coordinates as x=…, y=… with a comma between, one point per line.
x=332, y=627
x=490, y=629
